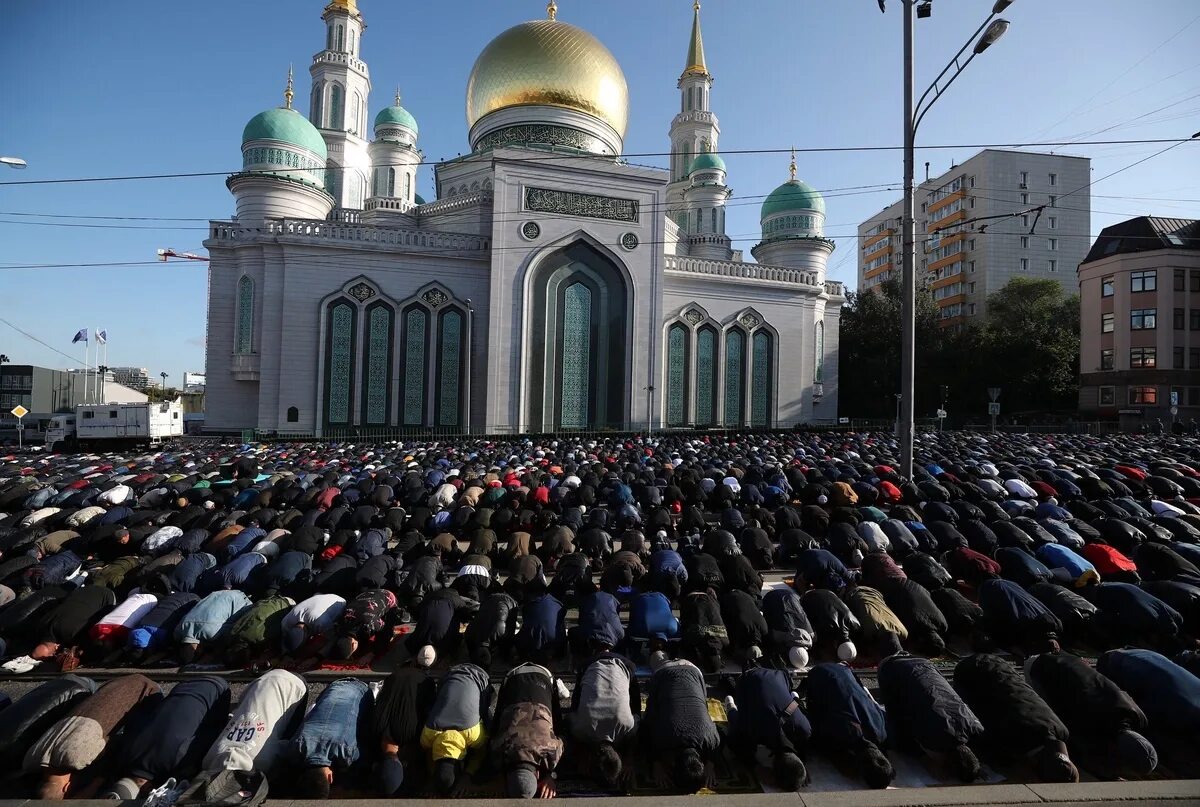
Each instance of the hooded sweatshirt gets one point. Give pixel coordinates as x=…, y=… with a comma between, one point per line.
x=266, y=715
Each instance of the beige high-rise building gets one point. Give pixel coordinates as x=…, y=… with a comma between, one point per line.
x=965, y=253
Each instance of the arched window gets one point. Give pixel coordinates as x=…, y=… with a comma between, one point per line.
x=351, y=49
x=336, y=108
x=819, y=360
x=706, y=376
x=377, y=370
x=357, y=114
x=735, y=368
x=341, y=39
x=318, y=104
x=329, y=38
x=412, y=371
x=408, y=187
x=691, y=98
x=339, y=361
x=333, y=182
x=677, y=375
x=293, y=415
x=391, y=185
x=762, y=379
x=687, y=160
x=714, y=220
x=245, y=316
x=451, y=341
x=576, y=356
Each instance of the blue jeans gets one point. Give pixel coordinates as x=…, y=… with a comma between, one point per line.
x=329, y=736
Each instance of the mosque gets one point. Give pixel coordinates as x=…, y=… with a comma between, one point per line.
x=551, y=285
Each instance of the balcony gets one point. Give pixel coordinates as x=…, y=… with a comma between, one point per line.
x=741, y=272
x=333, y=57
x=244, y=366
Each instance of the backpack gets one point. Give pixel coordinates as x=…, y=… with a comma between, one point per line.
x=224, y=788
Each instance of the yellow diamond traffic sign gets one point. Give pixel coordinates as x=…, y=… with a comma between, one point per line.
x=19, y=411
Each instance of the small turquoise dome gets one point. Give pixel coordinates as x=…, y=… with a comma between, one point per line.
x=286, y=126
x=418, y=199
x=791, y=197
x=708, y=160
x=396, y=116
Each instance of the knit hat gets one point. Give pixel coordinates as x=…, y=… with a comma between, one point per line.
x=798, y=657
x=1136, y=754
x=522, y=782
x=426, y=656
x=847, y=651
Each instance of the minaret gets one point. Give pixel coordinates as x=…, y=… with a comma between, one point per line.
x=695, y=130
x=340, y=96
x=395, y=158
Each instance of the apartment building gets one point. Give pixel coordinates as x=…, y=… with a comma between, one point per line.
x=132, y=377
x=1139, y=321
x=976, y=229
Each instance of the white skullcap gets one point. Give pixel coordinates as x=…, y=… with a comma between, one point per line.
x=798, y=657
x=847, y=652
x=426, y=656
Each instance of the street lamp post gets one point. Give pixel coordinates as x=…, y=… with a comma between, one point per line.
x=912, y=118
x=13, y=162
x=164, y=384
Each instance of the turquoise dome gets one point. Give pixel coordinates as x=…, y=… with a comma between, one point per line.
x=708, y=160
x=417, y=199
x=286, y=126
x=791, y=197
x=396, y=116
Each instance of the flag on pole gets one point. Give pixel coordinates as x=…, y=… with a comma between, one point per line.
x=102, y=337
x=82, y=336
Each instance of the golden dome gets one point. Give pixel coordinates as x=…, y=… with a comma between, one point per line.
x=548, y=63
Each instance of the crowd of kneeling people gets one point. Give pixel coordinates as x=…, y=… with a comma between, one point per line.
x=455, y=568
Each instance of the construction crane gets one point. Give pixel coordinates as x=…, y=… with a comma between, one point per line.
x=164, y=254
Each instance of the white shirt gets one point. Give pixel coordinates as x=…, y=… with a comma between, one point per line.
x=319, y=613
x=115, y=495
x=130, y=613
x=1019, y=488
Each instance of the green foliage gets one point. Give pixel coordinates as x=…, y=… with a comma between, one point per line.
x=1028, y=346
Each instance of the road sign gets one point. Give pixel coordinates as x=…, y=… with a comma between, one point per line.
x=843, y=421
x=19, y=411
x=941, y=413
x=1174, y=409
x=994, y=394
x=1174, y=398
x=993, y=409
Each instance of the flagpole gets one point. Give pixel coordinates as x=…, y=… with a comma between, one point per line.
x=87, y=348
x=104, y=375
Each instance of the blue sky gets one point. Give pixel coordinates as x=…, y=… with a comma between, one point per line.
x=103, y=89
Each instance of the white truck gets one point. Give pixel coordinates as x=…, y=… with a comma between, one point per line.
x=115, y=425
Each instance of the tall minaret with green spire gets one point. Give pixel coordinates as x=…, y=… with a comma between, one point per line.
x=695, y=132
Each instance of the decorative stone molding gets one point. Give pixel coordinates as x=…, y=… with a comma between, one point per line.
x=361, y=292
x=543, y=135
x=630, y=241
x=435, y=297
x=693, y=316
x=584, y=205
x=750, y=320
x=530, y=231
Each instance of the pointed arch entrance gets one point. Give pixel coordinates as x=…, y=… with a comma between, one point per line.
x=579, y=357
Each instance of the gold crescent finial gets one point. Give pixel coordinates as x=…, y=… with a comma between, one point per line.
x=552, y=10
x=792, y=168
x=397, y=96
x=696, y=5
x=288, y=94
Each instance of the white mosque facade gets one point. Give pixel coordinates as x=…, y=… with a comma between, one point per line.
x=550, y=286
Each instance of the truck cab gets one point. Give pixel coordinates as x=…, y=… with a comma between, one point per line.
x=61, y=432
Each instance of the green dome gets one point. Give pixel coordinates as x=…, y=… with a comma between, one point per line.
x=286, y=126
x=417, y=199
x=396, y=116
x=792, y=196
x=710, y=160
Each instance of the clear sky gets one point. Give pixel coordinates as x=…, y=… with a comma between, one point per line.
x=139, y=87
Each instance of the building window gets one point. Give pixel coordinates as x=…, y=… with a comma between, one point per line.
x=245, y=316
x=1177, y=359
x=318, y=108
x=735, y=366
x=971, y=264
x=1145, y=396
x=971, y=245
x=970, y=288
x=971, y=309
x=1194, y=319
x=1106, y=322
x=706, y=375
x=377, y=374
x=391, y=184
x=1052, y=244
x=1106, y=286
x=1106, y=358
x=1024, y=221
x=576, y=356
x=1053, y=180
x=451, y=341
x=293, y=415
x=408, y=187
x=971, y=181
x=1193, y=358
x=336, y=106
x=412, y=371
x=1053, y=222
x=1195, y=281
x=1024, y=242
x=1143, y=319
x=1180, y=280
x=1052, y=265
x=1143, y=281
x=340, y=372
x=1024, y=264
x=329, y=38
x=677, y=374
x=1108, y=396
x=340, y=42
x=1178, y=323
x=819, y=359
x=761, y=379
x=1142, y=358
x=1024, y=179
x=1024, y=198
x=1053, y=201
